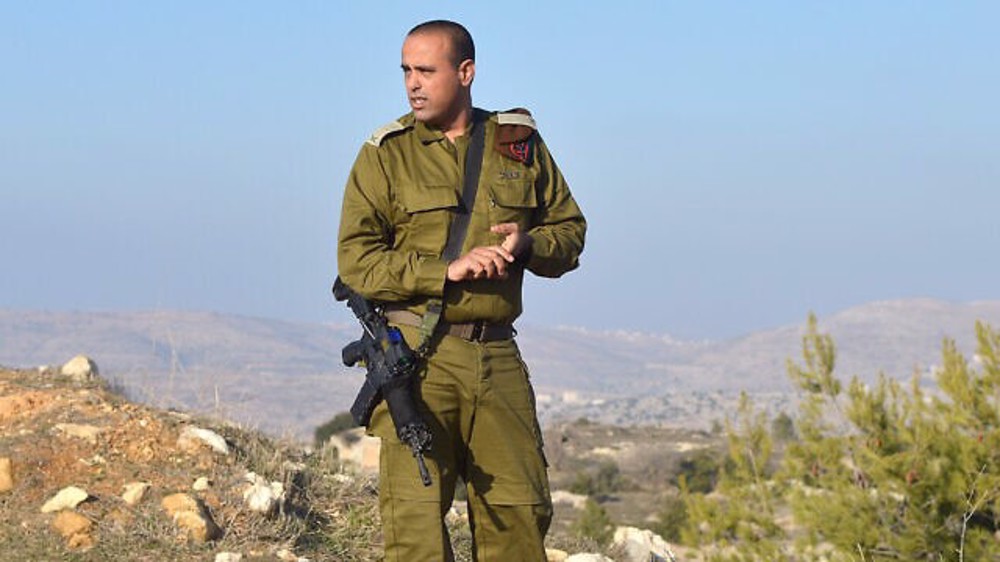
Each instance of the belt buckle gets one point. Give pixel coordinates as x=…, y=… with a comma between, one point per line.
x=478, y=330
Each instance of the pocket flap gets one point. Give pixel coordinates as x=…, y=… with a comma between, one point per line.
x=514, y=194
x=419, y=198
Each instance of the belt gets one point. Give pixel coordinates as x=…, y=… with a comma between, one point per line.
x=478, y=331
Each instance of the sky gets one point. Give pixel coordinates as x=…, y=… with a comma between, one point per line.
x=740, y=164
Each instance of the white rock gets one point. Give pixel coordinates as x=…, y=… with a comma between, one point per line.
x=587, y=557
x=88, y=433
x=67, y=498
x=458, y=513
x=555, y=555
x=95, y=460
x=578, y=501
x=192, y=517
x=80, y=368
x=342, y=478
x=134, y=491
x=212, y=439
x=641, y=545
x=286, y=555
x=228, y=557
x=201, y=484
x=354, y=446
x=262, y=496
x=6, y=475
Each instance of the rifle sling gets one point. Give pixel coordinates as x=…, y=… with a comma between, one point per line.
x=459, y=225
x=473, y=165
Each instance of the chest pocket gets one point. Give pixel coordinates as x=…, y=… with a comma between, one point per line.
x=427, y=215
x=512, y=201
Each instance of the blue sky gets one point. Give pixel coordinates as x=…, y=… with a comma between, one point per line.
x=740, y=164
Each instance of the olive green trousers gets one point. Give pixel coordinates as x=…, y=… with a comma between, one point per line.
x=479, y=404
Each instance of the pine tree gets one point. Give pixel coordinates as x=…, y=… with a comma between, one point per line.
x=882, y=472
x=911, y=475
x=738, y=519
x=594, y=523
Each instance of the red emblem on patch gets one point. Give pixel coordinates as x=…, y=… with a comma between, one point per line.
x=520, y=151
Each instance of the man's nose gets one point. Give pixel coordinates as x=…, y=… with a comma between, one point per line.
x=412, y=82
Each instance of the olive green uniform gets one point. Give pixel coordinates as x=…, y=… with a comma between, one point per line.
x=475, y=395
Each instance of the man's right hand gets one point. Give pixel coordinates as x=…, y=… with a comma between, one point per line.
x=483, y=262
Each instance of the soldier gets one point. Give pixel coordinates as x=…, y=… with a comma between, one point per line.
x=454, y=289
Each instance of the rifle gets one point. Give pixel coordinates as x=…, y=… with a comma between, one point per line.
x=391, y=370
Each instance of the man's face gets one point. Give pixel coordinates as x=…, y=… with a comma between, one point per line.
x=435, y=88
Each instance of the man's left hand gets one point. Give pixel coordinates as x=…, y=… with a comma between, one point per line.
x=515, y=240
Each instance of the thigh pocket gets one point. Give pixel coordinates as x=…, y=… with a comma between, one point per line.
x=509, y=465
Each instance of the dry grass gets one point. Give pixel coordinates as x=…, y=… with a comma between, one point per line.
x=330, y=512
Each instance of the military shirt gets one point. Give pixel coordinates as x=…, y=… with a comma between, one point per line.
x=405, y=188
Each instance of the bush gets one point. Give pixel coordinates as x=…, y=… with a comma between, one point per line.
x=783, y=428
x=698, y=472
x=605, y=481
x=594, y=524
x=341, y=422
x=672, y=518
x=881, y=472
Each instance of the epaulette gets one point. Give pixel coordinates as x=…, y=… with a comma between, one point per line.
x=515, y=135
x=516, y=116
x=387, y=130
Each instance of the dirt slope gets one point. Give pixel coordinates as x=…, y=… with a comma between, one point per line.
x=57, y=434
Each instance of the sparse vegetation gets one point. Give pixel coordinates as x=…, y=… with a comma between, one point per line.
x=340, y=422
x=594, y=524
x=878, y=472
x=883, y=471
x=604, y=481
x=327, y=514
x=698, y=472
x=671, y=519
x=783, y=428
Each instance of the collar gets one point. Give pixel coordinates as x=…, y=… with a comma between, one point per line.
x=428, y=135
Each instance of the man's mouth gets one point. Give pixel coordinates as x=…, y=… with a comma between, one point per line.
x=418, y=102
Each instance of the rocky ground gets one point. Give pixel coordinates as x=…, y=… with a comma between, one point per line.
x=87, y=475
x=646, y=458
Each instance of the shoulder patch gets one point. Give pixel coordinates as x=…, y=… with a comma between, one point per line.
x=386, y=130
x=515, y=135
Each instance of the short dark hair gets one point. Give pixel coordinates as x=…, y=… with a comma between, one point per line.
x=462, y=47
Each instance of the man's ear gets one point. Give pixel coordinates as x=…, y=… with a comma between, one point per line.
x=466, y=72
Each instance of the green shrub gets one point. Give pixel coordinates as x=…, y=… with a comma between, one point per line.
x=341, y=422
x=699, y=472
x=606, y=480
x=783, y=428
x=886, y=471
x=594, y=524
x=673, y=516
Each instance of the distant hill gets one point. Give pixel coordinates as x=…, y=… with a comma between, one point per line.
x=280, y=376
x=287, y=377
